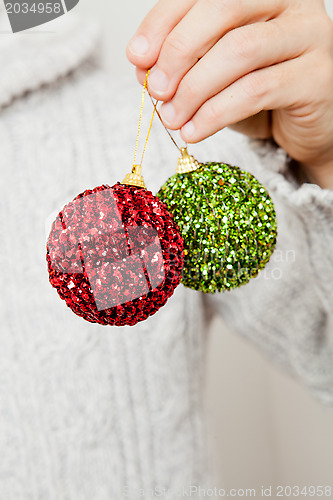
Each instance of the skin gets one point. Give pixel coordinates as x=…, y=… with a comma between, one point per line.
x=261, y=67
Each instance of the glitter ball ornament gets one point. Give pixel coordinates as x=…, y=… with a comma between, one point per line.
x=227, y=220
x=114, y=254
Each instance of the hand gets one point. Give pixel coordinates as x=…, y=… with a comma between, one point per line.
x=263, y=67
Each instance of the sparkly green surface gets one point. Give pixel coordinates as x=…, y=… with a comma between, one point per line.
x=228, y=223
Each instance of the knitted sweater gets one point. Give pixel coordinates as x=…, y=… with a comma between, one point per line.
x=86, y=410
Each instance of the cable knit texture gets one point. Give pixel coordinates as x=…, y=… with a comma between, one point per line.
x=85, y=410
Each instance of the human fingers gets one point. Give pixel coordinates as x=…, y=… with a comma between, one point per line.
x=197, y=32
x=144, y=47
x=274, y=87
x=238, y=53
x=141, y=74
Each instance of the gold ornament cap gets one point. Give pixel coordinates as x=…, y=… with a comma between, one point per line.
x=186, y=163
x=135, y=178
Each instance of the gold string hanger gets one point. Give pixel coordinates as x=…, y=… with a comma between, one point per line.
x=186, y=162
x=135, y=178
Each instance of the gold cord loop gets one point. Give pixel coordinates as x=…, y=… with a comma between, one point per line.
x=186, y=163
x=135, y=178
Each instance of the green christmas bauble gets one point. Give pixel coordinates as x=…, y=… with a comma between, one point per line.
x=227, y=220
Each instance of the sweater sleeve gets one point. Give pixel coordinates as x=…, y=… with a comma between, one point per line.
x=287, y=310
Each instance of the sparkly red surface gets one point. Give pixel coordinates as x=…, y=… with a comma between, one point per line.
x=115, y=255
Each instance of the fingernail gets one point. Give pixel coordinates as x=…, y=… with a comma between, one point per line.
x=188, y=130
x=158, y=81
x=168, y=113
x=139, y=45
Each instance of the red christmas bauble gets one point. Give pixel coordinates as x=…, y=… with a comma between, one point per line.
x=115, y=255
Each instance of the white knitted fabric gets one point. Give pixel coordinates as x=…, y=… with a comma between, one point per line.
x=86, y=410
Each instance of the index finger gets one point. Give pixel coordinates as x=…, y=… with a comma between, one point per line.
x=144, y=48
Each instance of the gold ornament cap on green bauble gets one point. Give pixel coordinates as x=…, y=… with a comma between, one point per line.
x=227, y=220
